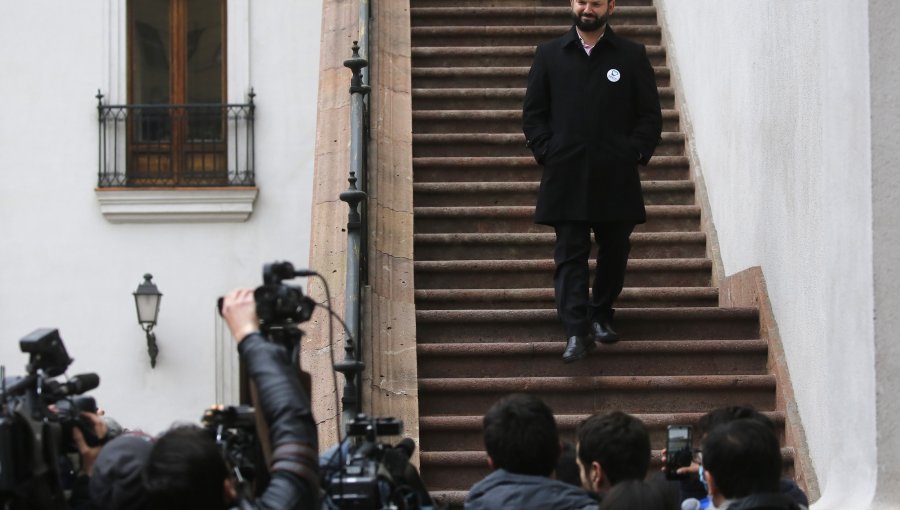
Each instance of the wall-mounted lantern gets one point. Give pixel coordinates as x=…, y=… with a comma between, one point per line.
x=147, y=298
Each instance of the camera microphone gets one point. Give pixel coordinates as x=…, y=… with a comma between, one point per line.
x=691, y=504
x=76, y=385
x=407, y=446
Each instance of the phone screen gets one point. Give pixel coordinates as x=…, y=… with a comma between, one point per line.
x=678, y=449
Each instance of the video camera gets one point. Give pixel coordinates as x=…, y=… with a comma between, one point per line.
x=33, y=438
x=367, y=474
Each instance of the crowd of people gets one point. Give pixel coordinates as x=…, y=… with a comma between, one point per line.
x=740, y=464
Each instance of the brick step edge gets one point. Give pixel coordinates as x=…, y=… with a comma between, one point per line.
x=568, y=421
x=533, y=186
x=482, y=114
x=432, y=12
x=496, y=51
x=549, y=238
x=520, y=161
x=521, y=211
x=689, y=264
x=491, y=93
x=626, y=31
x=479, y=71
x=594, y=383
x=631, y=314
x=477, y=458
x=506, y=138
x=541, y=348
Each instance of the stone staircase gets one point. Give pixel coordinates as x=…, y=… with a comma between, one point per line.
x=486, y=323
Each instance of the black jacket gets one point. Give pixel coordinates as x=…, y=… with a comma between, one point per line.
x=765, y=502
x=292, y=430
x=502, y=489
x=589, y=120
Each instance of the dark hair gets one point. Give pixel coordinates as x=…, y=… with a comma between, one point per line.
x=185, y=471
x=520, y=435
x=724, y=415
x=637, y=494
x=743, y=458
x=566, y=467
x=618, y=442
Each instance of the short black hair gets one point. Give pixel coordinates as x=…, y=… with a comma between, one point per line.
x=520, y=435
x=185, y=471
x=618, y=442
x=724, y=415
x=743, y=458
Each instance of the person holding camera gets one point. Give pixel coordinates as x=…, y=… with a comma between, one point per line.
x=186, y=470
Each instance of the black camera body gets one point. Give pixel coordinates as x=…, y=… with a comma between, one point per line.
x=233, y=428
x=373, y=475
x=33, y=438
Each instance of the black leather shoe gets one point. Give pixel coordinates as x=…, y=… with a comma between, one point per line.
x=602, y=331
x=577, y=347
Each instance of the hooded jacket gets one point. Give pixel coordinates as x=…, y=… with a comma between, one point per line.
x=502, y=489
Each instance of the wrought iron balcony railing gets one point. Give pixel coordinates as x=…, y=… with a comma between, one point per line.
x=172, y=145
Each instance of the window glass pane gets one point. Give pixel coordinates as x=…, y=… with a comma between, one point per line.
x=150, y=51
x=205, y=59
x=150, y=68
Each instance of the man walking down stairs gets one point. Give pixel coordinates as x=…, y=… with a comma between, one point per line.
x=486, y=320
x=591, y=113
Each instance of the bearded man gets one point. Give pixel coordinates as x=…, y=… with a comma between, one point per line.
x=591, y=115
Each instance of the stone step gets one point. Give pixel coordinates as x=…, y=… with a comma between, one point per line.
x=495, y=56
x=524, y=169
x=443, y=433
x=492, y=121
x=506, y=144
x=633, y=324
x=447, y=194
x=591, y=394
x=450, y=474
x=515, y=275
x=520, y=219
x=509, y=3
x=519, y=16
x=516, y=299
x=635, y=359
x=491, y=98
x=431, y=36
x=490, y=77
x=506, y=246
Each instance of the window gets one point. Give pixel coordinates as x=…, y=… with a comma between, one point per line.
x=177, y=121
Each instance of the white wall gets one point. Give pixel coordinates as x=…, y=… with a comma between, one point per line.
x=778, y=96
x=885, y=54
x=63, y=265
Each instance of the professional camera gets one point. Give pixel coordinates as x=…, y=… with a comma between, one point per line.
x=366, y=474
x=33, y=438
x=234, y=430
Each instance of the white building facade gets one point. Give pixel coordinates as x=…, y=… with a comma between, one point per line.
x=73, y=253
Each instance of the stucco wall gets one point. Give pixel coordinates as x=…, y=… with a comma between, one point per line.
x=778, y=99
x=65, y=266
x=885, y=55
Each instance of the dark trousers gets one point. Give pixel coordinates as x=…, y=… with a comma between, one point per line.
x=573, y=248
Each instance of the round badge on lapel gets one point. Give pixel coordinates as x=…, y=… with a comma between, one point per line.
x=613, y=75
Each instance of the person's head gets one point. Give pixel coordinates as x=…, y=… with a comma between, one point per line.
x=186, y=470
x=592, y=15
x=116, y=482
x=520, y=436
x=741, y=458
x=612, y=448
x=637, y=494
x=724, y=415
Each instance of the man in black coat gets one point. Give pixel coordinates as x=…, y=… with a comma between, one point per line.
x=591, y=115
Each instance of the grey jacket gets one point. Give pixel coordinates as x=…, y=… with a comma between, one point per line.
x=502, y=489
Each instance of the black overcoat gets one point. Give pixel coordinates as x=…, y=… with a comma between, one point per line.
x=588, y=120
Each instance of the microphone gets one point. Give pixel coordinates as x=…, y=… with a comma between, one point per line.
x=407, y=446
x=76, y=385
x=691, y=504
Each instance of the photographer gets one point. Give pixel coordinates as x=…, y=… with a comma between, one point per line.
x=186, y=469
